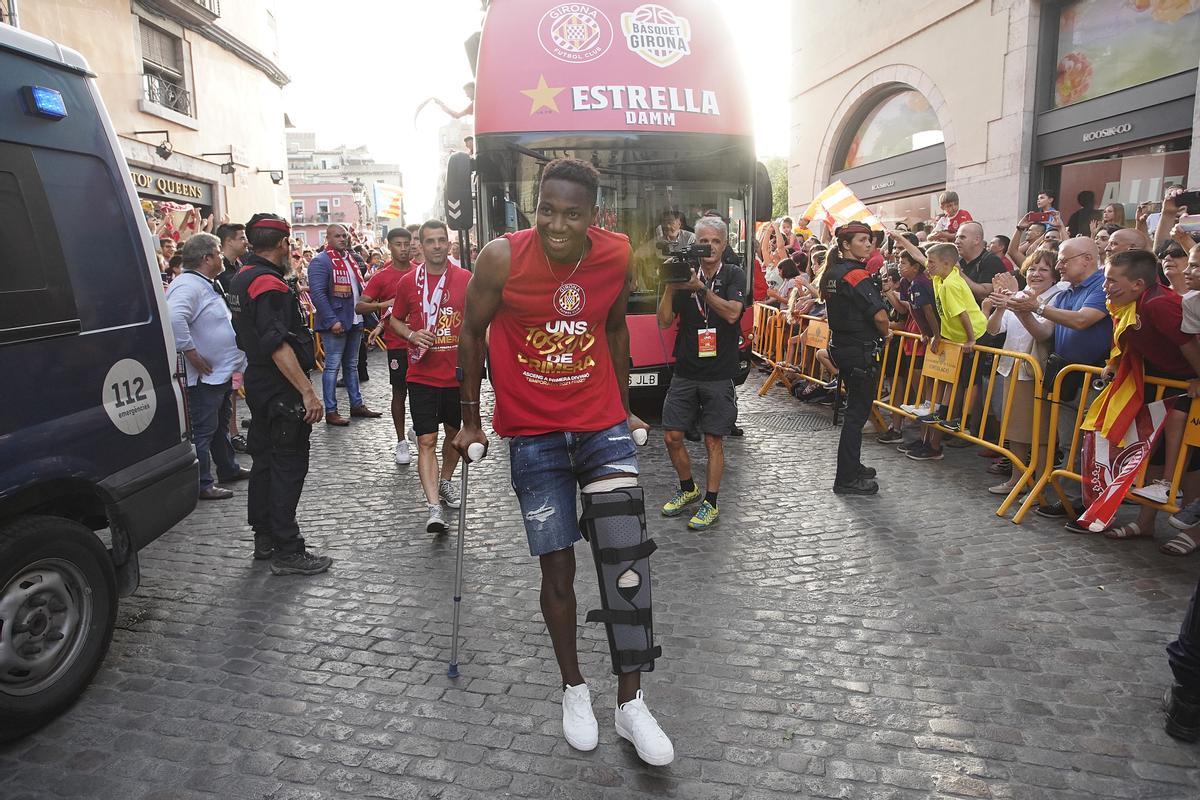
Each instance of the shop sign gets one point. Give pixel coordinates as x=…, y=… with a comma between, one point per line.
x=1111, y=130
x=884, y=185
x=148, y=182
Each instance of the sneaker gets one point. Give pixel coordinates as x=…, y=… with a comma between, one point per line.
x=403, y=455
x=579, y=723
x=1001, y=489
x=675, y=506
x=304, y=563
x=447, y=494
x=1186, y=517
x=932, y=416
x=925, y=453
x=890, y=436
x=636, y=724
x=1051, y=511
x=917, y=411
x=866, y=472
x=705, y=517
x=949, y=425
x=1183, y=714
x=239, y=443
x=1001, y=466
x=907, y=446
x=1157, y=492
x=830, y=384
x=436, y=524
x=861, y=485
x=264, y=546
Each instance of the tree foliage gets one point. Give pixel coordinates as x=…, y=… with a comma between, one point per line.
x=777, y=168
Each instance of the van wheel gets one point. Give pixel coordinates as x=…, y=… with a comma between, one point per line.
x=58, y=605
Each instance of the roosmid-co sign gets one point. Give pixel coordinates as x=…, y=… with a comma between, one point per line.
x=1105, y=133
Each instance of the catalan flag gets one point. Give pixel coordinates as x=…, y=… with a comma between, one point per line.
x=389, y=201
x=840, y=205
x=1112, y=412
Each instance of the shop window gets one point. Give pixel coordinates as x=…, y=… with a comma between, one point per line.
x=36, y=299
x=164, y=70
x=1122, y=179
x=1108, y=45
x=900, y=123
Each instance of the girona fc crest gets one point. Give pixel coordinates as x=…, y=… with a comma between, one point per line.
x=656, y=34
x=569, y=299
x=575, y=32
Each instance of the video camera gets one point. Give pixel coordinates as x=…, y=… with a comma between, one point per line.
x=681, y=260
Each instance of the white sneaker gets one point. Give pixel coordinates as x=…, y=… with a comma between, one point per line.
x=437, y=521
x=411, y=436
x=1157, y=492
x=448, y=495
x=579, y=723
x=403, y=456
x=638, y=725
x=917, y=411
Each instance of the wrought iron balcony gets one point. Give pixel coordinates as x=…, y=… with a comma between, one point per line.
x=189, y=12
x=167, y=93
x=212, y=5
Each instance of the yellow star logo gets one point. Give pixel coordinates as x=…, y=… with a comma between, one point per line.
x=543, y=96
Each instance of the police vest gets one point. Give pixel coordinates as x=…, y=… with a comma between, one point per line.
x=846, y=309
x=242, y=307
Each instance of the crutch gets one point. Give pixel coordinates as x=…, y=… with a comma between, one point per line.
x=474, y=453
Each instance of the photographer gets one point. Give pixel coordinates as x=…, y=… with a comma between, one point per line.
x=858, y=320
x=709, y=306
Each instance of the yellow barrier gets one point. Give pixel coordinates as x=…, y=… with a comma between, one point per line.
x=318, y=348
x=945, y=367
x=1070, y=468
x=790, y=350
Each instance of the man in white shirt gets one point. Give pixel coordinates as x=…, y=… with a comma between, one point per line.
x=203, y=329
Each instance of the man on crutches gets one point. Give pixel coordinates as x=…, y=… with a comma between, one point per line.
x=555, y=297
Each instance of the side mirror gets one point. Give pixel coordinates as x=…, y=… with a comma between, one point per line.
x=764, y=198
x=459, y=208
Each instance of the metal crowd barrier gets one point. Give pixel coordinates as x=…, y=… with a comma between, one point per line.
x=1051, y=475
x=789, y=349
x=944, y=367
x=318, y=347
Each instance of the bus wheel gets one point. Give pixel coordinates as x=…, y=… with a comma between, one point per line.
x=58, y=605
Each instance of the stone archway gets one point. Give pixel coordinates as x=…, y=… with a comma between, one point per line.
x=865, y=93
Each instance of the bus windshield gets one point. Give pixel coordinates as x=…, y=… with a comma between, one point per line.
x=642, y=176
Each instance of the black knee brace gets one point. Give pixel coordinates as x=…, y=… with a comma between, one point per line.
x=615, y=524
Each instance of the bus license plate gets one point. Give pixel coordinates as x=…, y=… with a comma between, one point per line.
x=643, y=379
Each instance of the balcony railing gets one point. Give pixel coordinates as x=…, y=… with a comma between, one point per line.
x=320, y=218
x=189, y=12
x=212, y=5
x=167, y=93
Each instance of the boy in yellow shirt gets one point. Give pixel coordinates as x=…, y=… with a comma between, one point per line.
x=961, y=320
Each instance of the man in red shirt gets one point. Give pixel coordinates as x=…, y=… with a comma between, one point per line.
x=377, y=298
x=428, y=314
x=555, y=298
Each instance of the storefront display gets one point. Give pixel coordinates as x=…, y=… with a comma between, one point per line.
x=1126, y=178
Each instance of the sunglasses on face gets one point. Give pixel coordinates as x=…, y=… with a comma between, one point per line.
x=1175, y=254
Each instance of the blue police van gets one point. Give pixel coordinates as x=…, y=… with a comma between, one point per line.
x=96, y=460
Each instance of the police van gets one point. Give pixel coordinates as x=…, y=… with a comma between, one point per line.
x=96, y=460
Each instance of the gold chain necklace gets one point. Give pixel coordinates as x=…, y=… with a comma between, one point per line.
x=576, y=269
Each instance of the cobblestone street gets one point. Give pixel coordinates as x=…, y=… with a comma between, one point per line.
x=909, y=645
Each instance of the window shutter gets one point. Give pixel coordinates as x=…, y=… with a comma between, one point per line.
x=160, y=48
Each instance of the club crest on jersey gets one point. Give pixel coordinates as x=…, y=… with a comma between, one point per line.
x=569, y=299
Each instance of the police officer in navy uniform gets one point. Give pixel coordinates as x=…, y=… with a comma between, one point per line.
x=279, y=349
x=858, y=324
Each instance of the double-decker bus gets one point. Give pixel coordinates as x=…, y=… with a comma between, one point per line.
x=652, y=95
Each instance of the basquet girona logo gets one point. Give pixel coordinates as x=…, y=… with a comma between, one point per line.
x=657, y=34
x=575, y=32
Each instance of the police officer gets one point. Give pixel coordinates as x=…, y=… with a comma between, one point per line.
x=858, y=322
x=279, y=350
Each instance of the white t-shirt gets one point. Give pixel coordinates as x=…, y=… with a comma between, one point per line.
x=1017, y=337
x=1191, y=313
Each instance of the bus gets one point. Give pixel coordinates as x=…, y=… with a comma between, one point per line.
x=652, y=96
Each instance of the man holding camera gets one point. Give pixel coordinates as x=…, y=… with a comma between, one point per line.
x=702, y=393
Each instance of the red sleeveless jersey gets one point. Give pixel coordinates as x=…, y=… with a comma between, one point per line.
x=548, y=353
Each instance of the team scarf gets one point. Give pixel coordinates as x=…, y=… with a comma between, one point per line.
x=431, y=304
x=1114, y=410
x=345, y=271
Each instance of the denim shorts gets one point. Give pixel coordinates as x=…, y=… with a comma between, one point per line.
x=546, y=471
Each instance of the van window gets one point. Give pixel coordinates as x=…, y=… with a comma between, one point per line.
x=36, y=300
x=107, y=264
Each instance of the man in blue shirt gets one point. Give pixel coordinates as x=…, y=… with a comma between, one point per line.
x=1079, y=323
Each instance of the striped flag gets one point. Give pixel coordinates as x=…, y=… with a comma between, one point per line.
x=1113, y=410
x=1109, y=469
x=389, y=200
x=840, y=206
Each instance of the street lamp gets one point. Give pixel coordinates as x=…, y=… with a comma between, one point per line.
x=359, y=192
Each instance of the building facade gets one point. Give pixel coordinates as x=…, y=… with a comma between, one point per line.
x=194, y=92
x=997, y=100
x=315, y=206
x=369, y=181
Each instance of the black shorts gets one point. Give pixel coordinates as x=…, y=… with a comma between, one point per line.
x=431, y=406
x=398, y=368
x=710, y=405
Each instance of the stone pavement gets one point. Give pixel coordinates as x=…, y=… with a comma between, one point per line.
x=910, y=645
